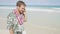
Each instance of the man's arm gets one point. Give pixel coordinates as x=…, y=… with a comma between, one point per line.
x=25, y=18
x=11, y=31
x=10, y=24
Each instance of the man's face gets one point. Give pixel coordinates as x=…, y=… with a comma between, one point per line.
x=21, y=9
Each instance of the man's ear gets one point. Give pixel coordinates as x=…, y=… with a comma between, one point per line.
x=18, y=7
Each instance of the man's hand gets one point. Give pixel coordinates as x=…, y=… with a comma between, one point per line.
x=11, y=31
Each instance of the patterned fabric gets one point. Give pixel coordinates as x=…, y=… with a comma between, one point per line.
x=12, y=22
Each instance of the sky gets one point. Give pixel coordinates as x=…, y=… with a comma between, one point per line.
x=31, y=2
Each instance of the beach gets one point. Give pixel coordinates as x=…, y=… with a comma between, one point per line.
x=39, y=20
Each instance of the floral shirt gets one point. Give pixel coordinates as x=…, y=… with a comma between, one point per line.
x=12, y=22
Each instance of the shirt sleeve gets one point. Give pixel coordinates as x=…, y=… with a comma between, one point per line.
x=9, y=22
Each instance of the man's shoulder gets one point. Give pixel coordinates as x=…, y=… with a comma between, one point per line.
x=10, y=14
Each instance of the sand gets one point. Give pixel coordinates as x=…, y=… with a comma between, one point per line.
x=30, y=28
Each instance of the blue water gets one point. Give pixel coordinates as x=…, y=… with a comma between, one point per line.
x=4, y=12
x=34, y=6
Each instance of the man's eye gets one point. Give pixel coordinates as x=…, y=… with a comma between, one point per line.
x=23, y=8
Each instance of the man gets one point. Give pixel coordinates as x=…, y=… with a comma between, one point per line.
x=16, y=18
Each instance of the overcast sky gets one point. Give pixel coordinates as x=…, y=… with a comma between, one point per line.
x=31, y=2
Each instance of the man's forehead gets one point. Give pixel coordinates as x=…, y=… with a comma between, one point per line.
x=22, y=6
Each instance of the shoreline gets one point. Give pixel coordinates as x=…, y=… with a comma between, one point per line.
x=35, y=9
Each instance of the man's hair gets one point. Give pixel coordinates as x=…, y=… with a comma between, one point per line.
x=19, y=3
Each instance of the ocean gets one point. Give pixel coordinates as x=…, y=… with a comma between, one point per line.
x=28, y=7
